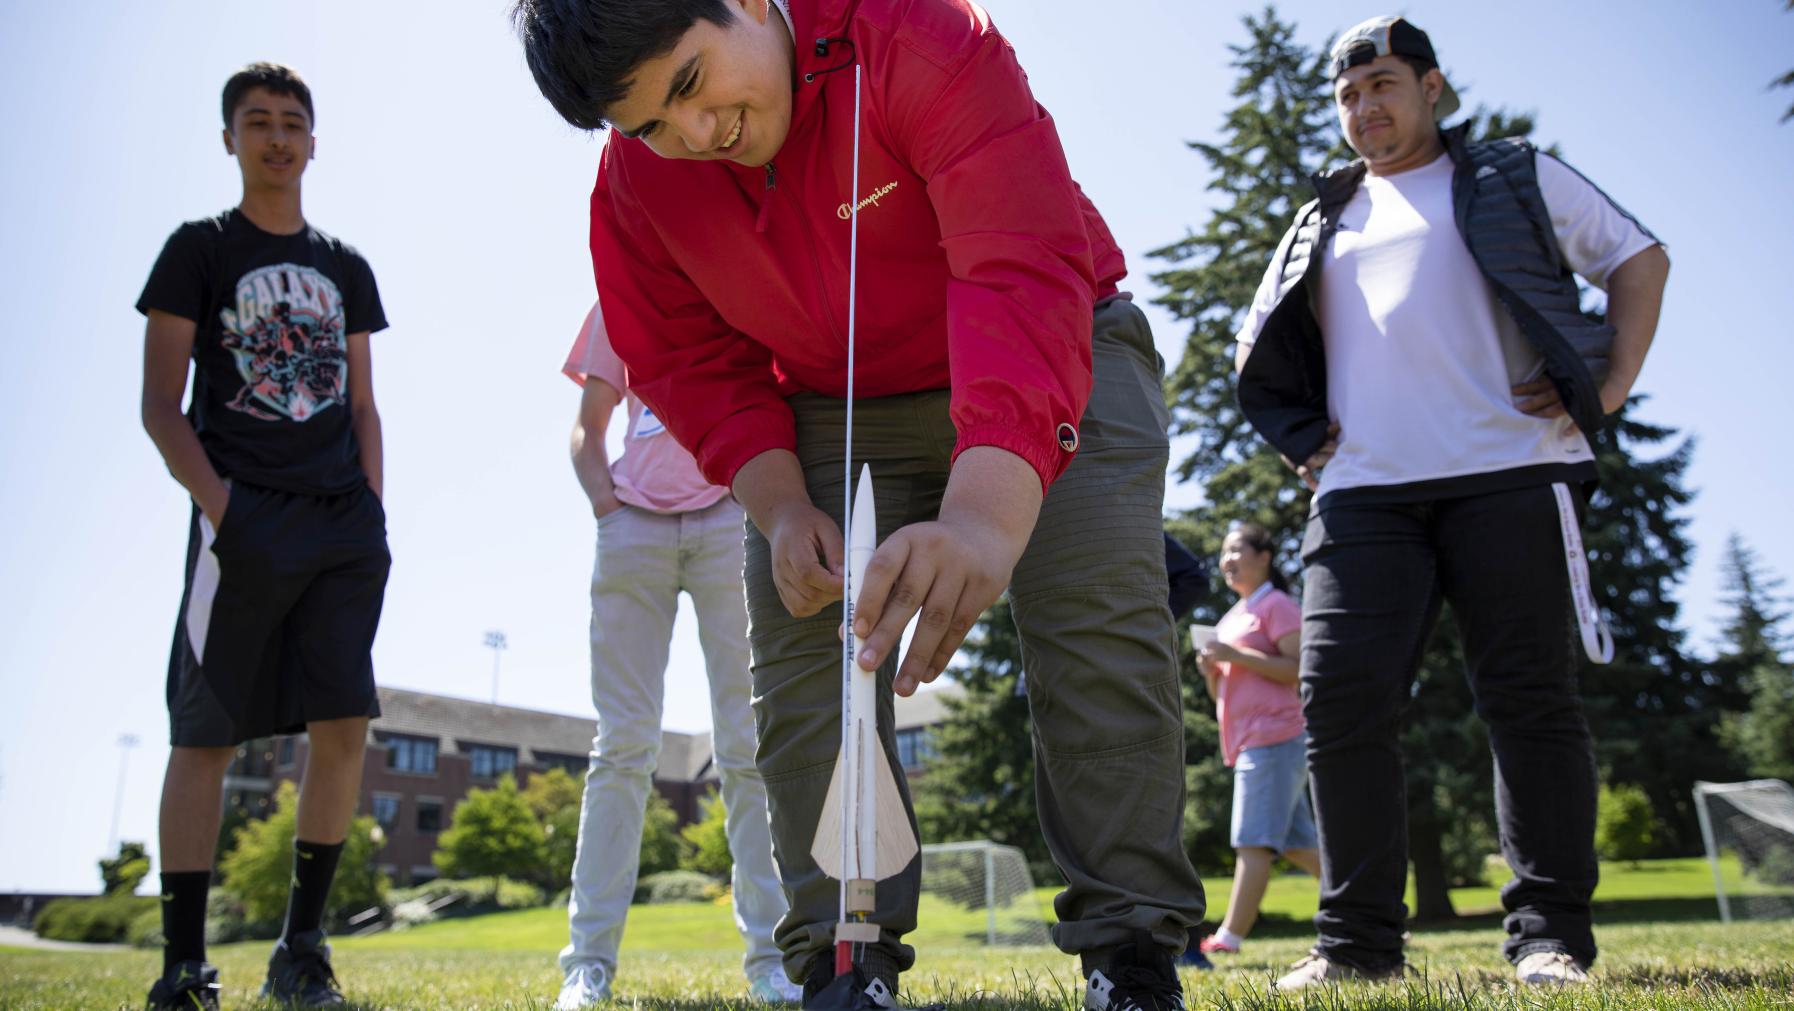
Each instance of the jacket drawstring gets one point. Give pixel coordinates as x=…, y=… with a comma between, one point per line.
x=822, y=45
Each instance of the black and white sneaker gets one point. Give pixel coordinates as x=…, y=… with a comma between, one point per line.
x=1139, y=977
x=859, y=990
x=299, y=973
x=852, y=992
x=188, y=986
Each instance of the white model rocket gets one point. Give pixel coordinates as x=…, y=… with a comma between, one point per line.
x=864, y=834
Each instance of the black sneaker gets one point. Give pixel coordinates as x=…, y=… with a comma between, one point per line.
x=187, y=986
x=851, y=992
x=299, y=973
x=859, y=990
x=1139, y=977
x=1193, y=958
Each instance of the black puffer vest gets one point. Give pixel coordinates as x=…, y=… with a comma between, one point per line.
x=1504, y=222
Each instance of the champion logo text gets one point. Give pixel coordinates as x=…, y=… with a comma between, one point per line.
x=845, y=211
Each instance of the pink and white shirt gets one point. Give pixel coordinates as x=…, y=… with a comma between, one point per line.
x=1253, y=710
x=653, y=472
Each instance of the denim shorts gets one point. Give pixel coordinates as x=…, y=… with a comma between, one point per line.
x=1270, y=797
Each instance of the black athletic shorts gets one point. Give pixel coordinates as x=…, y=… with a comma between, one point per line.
x=278, y=618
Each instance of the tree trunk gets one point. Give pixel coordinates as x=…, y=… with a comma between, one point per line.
x=1432, y=898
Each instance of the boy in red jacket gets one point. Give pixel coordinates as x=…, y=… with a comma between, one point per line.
x=995, y=360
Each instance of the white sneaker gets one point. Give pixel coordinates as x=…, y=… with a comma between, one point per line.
x=773, y=988
x=585, y=986
x=1316, y=970
x=1550, y=968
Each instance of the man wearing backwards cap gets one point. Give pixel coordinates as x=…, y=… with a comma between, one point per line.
x=1419, y=335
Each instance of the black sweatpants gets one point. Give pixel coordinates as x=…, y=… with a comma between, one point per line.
x=1375, y=577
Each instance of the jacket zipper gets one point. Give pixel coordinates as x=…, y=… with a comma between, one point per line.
x=772, y=183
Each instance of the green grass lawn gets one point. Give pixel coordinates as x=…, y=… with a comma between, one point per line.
x=1662, y=948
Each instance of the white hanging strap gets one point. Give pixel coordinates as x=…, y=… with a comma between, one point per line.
x=1597, y=638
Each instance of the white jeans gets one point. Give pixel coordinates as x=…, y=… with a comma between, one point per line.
x=644, y=560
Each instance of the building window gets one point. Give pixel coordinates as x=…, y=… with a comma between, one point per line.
x=915, y=747
x=253, y=803
x=488, y=762
x=429, y=815
x=410, y=754
x=254, y=759
x=286, y=752
x=422, y=874
x=386, y=810
x=574, y=765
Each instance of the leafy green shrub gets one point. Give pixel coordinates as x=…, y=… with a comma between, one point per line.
x=122, y=874
x=554, y=798
x=106, y=919
x=146, y=930
x=492, y=833
x=258, y=870
x=661, y=849
x=676, y=886
x=708, y=839
x=1624, y=823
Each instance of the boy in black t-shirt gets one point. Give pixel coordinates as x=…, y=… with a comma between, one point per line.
x=286, y=557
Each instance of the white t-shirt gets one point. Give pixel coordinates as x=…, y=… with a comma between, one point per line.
x=1421, y=358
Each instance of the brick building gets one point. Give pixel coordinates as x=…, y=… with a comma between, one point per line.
x=427, y=751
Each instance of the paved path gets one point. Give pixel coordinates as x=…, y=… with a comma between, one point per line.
x=18, y=937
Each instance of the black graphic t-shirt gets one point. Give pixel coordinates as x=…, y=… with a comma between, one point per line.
x=271, y=371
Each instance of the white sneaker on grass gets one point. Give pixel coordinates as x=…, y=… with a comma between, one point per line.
x=1316, y=970
x=772, y=987
x=585, y=986
x=1550, y=968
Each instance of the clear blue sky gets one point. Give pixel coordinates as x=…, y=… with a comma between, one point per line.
x=439, y=160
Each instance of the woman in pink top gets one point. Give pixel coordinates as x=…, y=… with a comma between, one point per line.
x=1251, y=669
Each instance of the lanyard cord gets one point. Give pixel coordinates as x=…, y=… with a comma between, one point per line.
x=1597, y=638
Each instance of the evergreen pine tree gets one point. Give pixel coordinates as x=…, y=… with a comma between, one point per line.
x=1752, y=659
x=1753, y=634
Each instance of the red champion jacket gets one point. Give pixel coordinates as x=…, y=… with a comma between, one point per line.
x=724, y=288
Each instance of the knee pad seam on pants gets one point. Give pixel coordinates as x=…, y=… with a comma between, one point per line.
x=775, y=778
x=1137, y=747
x=1171, y=685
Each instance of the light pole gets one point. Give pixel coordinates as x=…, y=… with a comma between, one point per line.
x=125, y=743
x=495, y=641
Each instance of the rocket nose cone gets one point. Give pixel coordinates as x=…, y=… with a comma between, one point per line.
x=865, y=514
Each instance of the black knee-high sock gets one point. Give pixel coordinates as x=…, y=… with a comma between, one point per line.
x=184, y=917
x=314, y=867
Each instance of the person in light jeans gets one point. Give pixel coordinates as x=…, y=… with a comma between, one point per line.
x=662, y=529
x=1251, y=667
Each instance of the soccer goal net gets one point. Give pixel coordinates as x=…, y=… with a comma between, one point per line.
x=1749, y=832
x=980, y=893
